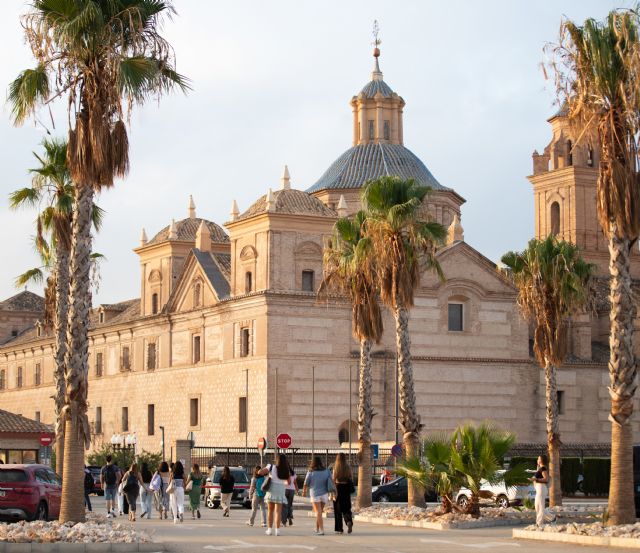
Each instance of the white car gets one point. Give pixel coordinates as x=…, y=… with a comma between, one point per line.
x=500, y=495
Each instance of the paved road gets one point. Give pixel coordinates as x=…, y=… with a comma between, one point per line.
x=213, y=533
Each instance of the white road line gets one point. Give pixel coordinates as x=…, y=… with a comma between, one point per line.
x=246, y=545
x=484, y=545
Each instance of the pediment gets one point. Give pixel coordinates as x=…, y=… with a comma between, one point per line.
x=308, y=249
x=193, y=289
x=248, y=253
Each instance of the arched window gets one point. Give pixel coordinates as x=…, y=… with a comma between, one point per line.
x=248, y=282
x=154, y=303
x=555, y=218
x=343, y=432
x=569, y=153
x=101, y=317
x=307, y=281
x=590, y=157
x=197, y=294
x=343, y=435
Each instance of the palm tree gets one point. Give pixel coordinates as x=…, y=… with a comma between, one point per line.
x=51, y=184
x=552, y=279
x=104, y=56
x=348, y=270
x=404, y=244
x=476, y=457
x=598, y=75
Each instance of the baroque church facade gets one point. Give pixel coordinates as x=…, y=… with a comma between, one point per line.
x=228, y=339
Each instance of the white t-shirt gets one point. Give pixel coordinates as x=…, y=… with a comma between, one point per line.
x=273, y=470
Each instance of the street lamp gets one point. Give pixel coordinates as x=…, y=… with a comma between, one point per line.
x=162, y=442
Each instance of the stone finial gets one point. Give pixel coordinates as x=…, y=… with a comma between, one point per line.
x=285, y=180
x=455, y=232
x=192, y=208
x=342, y=207
x=143, y=237
x=271, y=201
x=203, y=237
x=234, y=210
x=173, y=230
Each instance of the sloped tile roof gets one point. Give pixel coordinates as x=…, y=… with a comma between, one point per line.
x=214, y=272
x=10, y=422
x=290, y=201
x=187, y=229
x=23, y=301
x=375, y=86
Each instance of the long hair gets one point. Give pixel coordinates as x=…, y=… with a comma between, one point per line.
x=133, y=469
x=282, y=467
x=256, y=471
x=178, y=471
x=316, y=463
x=226, y=474
x=196, y=470
x=145, y=473
x=341, y=470
x=545, y=460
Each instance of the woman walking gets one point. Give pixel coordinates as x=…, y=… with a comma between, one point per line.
x=160, y=483
x=344, y=488
x=131, y=482
x=256, y=494
x=194, y=489
x=278, y=476
x=227, y=483
x=317, y=482
x=290, y=493
x=540, y=481
x=177, y=495
x=146, y=494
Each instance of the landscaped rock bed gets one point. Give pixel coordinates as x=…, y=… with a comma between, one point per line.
x=95, y=529
x=594, y=529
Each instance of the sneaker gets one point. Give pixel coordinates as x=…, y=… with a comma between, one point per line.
x=175, y=521
x=319, y=533
x=249, y=523
x=278, y=531
x=268, y=532
x=339, y=532
x=263, y=525
x=290, y=522
x=142, y=514
x=109, y=515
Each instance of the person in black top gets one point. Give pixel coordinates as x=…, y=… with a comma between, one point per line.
x=540, y=481
x=227, y=482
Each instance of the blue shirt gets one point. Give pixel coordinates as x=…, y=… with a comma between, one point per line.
x=317, y=482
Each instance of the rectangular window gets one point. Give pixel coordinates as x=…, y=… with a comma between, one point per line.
x=371, y=129
x=98, y=420
x=193, y=411
x=245, y=342
x=19, y=378
x=455, y=317
x=98, y=364
x=37, y=417
x=125, y=419
x=307, y=281
x=151, y=419
x=151, y=356
x=3, y=383
x=37, y=377
x=196, y=349
x=560, y=396
x=242, y=414
x=248, y=284
x=387, y=132
x=125, y=362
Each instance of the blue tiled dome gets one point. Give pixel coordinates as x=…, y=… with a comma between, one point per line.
x=366, y=162
x=375, y=86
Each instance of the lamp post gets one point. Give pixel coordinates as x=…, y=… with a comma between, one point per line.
x=162, y=442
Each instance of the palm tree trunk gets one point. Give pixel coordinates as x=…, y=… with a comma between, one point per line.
x=473, y=507
x=60, y=346
x=409, y=417
x=365, y=416
x=622, y=377
x=74, y=412
x=553, y=434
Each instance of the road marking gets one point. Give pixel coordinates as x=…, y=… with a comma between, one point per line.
x=484, y=545
x=246, y=545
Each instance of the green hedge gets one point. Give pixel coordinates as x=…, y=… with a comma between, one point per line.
x=570, y=469
x=597, y=473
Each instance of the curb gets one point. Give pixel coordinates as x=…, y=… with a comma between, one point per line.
x=629, y=543
x=64, y=547
x=438, y=525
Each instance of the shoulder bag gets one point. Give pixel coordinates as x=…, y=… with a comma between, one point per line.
x=267, y=481
x=172, y=486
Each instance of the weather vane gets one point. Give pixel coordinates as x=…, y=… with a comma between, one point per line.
x=376, y=40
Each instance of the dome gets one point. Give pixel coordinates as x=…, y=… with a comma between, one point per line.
x=375, y=86
x=187, y=229
x=291, y=202
x=370, y=161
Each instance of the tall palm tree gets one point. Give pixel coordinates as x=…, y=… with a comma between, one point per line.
x=104, y=56
x=552, y=281
x=52, y=190
x=404, y=244
x=348, y=270
x=598, y=75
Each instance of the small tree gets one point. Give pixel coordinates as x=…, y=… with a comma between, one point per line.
x=552, y=280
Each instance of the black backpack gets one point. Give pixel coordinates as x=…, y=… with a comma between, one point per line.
x=110, y=475
x=88, y=481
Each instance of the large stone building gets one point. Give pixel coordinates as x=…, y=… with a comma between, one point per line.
x=228, y=339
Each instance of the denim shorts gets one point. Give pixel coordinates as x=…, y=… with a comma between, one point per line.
x=110, y=493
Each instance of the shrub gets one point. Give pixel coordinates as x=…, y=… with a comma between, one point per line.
x=570, y=469
x=596, y=476
x=530, y=462
x=124, y=457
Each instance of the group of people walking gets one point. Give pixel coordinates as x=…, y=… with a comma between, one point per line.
x=162, y=491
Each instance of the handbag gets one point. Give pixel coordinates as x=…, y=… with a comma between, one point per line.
x=171, y=487
x=266, y=484
x=189, y=486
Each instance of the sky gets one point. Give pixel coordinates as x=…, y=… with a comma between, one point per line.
x=272, y=83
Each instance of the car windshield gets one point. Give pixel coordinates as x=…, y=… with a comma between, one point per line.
x=239, y=476
x=13, y=475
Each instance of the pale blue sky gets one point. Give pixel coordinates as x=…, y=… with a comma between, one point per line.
x=272, y=83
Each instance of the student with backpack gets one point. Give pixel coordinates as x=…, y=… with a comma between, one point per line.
x=109, y=480
x=88, y=487
x=131, y=482
x=256, y=494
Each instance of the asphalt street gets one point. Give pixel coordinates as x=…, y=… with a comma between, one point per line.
x=215, y=533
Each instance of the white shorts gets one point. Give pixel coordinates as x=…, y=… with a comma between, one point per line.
x=324, y=498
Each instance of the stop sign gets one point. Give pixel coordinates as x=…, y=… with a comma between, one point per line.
x=283, y=441
x=262, y=444
x=46, y=439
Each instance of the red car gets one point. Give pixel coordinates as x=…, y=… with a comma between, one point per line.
x=30, y=492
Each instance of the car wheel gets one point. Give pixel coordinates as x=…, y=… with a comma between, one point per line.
x=463, y=501
x=383, y=498
x=216, y=504
x=42, y=513
x=209, y=502
x=502, y=501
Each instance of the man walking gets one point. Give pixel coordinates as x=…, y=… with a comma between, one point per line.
x=109, y=481
x=88, y=487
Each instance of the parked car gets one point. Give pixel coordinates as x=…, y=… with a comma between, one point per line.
x=240, y=489
x=30, y=492
x=396, y=491
x=500, y=494
x=95, y=472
